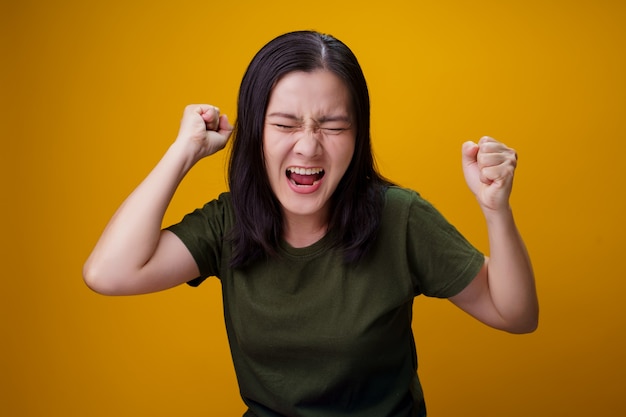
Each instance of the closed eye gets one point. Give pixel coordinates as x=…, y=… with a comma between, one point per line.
x=293, y=127
x=333, y=130
x=285, y=127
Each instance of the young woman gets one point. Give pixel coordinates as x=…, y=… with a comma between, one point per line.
x=319, y=257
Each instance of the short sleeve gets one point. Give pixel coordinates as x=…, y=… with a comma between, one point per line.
x=442, y=261
x=203, y=232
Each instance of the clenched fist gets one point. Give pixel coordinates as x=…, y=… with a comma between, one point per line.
x=204, y=129
x=489, y=167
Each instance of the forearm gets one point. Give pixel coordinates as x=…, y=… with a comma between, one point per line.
x=510, y=274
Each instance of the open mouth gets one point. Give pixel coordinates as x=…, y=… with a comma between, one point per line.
x=304, y=177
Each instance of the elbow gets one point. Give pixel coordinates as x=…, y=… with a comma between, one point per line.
x=90, y=277
x=527, y=325
x=524, y=329
x=97, y=281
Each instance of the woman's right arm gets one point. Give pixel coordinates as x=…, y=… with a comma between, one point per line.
x=133, y=254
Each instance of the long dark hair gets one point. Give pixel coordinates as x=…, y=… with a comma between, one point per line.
x=357, y=203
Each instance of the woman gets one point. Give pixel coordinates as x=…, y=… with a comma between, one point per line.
x=319, y=257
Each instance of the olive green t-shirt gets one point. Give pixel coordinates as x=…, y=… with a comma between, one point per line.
x=313, y=336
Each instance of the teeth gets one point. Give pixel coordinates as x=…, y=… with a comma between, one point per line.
x=304, y=171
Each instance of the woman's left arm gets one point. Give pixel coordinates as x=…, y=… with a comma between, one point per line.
x=503, y=294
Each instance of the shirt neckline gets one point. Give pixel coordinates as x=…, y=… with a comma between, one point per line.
x=321, y=246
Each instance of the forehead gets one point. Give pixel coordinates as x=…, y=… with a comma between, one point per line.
x=315, y=93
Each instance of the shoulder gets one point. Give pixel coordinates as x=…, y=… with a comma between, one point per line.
x=215, y=214
x=401, y=207
x=225, y=199
x=400, y=199
x=395, y=195
x=222, y=204
x=405, y=207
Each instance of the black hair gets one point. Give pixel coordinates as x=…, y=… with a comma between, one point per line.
x=356, y=204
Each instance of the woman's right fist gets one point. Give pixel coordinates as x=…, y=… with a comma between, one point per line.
x=204, y=129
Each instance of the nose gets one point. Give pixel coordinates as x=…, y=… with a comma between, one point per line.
x=308, y=142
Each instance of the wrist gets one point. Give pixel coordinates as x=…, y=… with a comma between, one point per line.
x=180, y=154
x=499, y=216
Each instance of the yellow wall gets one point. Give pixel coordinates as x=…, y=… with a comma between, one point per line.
x=92, y=93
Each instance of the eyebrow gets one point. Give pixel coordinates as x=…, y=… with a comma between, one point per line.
x=334, y=118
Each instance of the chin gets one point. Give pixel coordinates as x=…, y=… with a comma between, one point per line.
x=303, y=206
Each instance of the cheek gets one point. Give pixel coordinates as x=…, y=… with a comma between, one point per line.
x=347, y=153
x=273, y=162
x=268, y=153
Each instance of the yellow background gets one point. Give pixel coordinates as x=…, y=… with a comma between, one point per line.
x=92, y=93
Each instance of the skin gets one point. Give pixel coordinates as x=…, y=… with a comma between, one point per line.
x=308, y=125
x=133, y=254
x=503, y=294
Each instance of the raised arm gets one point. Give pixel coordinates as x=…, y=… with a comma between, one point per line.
x=133, y=254
x=503, y=293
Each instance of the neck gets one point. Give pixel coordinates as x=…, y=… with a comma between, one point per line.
x=303, y=231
